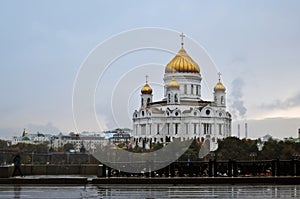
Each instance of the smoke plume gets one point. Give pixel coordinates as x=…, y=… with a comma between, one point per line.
x=238, y=108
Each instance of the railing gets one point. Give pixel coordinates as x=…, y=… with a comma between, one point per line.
x=6, y=158
x=211, y=168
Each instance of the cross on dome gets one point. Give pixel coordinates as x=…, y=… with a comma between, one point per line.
x=219, y=76
x=147, y=78
x=219, y=86
x=182, y=36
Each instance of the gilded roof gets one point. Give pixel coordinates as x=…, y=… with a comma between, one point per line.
x=146, y=89
x=182, y=63
x=173, y=84
x=219, y=87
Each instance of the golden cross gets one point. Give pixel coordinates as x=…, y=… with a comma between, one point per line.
x=147, y=78
x=219, y=76
x=182, y=36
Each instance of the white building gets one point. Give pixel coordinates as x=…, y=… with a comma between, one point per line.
x=182, y=113
x=27, y=138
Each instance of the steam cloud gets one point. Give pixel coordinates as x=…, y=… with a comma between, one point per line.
x=290, y=102
x=237, y=107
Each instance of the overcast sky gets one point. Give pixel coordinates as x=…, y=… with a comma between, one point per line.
x=254, y=44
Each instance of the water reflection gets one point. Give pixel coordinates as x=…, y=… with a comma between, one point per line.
x=17, y=191
x=211, y=191
x=150, y=191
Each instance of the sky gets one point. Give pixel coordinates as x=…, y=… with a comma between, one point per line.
x=254, y=44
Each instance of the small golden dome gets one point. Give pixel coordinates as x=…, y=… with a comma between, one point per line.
x=182, y=63
x=146, y=89
x=173, y=84
x=219, y=87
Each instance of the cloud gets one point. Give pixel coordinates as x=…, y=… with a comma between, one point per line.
x=237, y=106
x=278, y=127
x=293, y=101
x=8, y=133
x=47, y=128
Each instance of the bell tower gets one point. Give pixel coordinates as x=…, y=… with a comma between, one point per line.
x=173, y=92
x=146, y=96
x=219, y=93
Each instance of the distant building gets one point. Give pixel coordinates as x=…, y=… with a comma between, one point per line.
x=37, y=138
x=89, y=140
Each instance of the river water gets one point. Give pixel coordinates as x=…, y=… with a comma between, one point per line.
x=149, y=191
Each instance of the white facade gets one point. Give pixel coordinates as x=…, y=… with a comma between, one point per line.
x=182, y=113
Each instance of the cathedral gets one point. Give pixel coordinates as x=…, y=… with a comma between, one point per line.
x=182, y=113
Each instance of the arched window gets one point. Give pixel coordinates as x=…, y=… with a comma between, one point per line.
x=176, y=98
x=148, y=101
x=169, y=97
x=222, y=100
x=142, y=102
x=192, y=89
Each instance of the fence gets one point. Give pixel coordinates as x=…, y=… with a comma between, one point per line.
x=179, y=168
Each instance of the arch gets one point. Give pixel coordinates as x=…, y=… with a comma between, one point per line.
x=168, y=113
x=177, y=112
x=135, y=114
x=208, y=112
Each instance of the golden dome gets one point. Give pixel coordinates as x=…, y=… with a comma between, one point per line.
x=173, y=84
x=146, y=89
x=219, y=87
x=182, y=63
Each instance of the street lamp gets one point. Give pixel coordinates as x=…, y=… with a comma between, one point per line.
x=253, y=155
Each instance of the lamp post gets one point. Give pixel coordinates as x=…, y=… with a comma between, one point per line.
x=252, y=156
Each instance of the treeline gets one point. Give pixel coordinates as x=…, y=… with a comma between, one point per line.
x=24, y=147
x=246, y=149
x=228, y=148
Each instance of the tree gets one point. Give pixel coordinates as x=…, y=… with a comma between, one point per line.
x=234, y=148
x=68, y=146
x=3, y=144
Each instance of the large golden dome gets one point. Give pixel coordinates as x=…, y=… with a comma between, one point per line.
x=146, y=89
x=182, y=63
x=173, y=84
